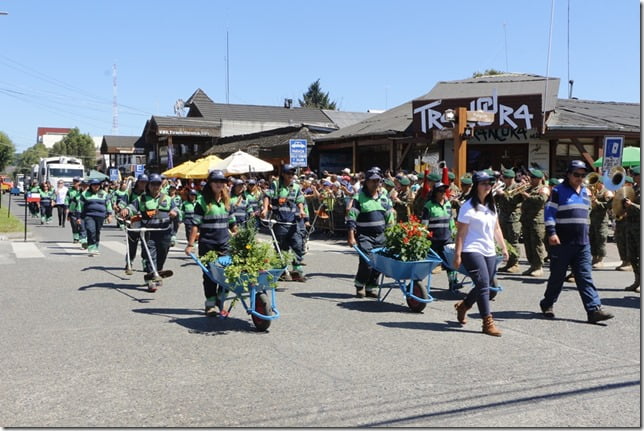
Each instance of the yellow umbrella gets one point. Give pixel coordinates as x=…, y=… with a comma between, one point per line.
x=202, y=167
x=179, y=170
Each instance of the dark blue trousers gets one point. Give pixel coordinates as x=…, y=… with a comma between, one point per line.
x=93, y=227
x=482, y=270
x=579, y=259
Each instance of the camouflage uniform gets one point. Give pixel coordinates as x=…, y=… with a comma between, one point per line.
x=620, y=240
x=509, y=216
x=532, y=226
x=599, y=225
x=633, y=236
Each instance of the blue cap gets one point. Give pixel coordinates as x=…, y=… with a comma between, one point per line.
x=237, y=182
x=216, y=175
x=94, y=182
x=372, y=174
x=440, y=185
x=288, y=168
x=252, y=181
x=193, y=192
x=577, y=164
x=155, y=178
x=143, y=177
x=481, y=176
x=76, y=179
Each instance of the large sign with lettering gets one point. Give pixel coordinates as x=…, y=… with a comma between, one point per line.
x=514, y=112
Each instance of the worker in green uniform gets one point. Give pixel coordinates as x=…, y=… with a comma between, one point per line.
x=95, y=207
x=72, y=200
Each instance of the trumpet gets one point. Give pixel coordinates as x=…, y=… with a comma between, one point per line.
x=498, y=187
x=520, y=188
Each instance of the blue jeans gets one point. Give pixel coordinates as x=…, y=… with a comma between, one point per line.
x=481, y=270
x=579, y=258
x=93, y=227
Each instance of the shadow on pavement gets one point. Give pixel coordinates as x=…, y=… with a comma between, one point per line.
x=429, y=326
x=325, y=296
x=329, y=275
x=526, y=279
x=627, y=301
x=199, y=323
x=108, y=270
x=120, y=289
x=371, y=305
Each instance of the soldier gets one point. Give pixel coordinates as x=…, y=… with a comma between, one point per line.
x=369, y=214
x=508, y=202
x=620, y=235
x=454, y=190
x=457, y=200
x=532, y=224
x=403, y=200
x=600, y=199
x=633, y=229
x=421, y=196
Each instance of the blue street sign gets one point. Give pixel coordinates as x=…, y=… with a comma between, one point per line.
x=139, y=170
x=613, y=149
x=298, y=152
x=114, y=174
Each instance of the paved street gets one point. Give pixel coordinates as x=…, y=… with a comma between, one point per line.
x=84, y=345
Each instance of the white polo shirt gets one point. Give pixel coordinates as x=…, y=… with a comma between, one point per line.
x=480, y=232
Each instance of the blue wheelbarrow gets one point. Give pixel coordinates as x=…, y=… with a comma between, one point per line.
x=261, y=297
x=407, y=276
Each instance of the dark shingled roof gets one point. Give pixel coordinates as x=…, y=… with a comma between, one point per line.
x=209, y=110
x=265, y=139
x=116, y=143
x=574, y=114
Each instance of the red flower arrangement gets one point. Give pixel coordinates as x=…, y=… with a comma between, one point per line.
x=409, y=241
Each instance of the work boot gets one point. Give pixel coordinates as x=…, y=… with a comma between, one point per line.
x=371, y=293
x=537, y=272
x=598, y=315
x=128, y=269
x=513, y=269
x=528, y=271
x=598, y=263
x=360, y=292
x=624, y=266
x=489, y=328
x=84, y=243
x=461, y=312
x=570, y=277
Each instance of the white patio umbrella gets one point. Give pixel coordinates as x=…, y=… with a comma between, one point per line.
x=242, y=163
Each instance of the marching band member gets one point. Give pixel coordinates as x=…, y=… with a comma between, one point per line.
x=633, y=229
x=534, y=200
x=600, y=199
x=509, y=201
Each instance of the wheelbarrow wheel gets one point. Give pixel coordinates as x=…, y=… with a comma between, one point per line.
x=262, y=306
x=420, y=291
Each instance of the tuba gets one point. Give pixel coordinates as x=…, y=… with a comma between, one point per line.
x=626, y=192
x=615, y=179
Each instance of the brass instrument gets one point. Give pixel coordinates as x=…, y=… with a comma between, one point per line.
x=498, y=187
x=626, y=192
x=520, y=188
x=591, y=181
x=615, y=178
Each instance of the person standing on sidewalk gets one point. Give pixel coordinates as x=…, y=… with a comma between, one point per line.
x=566, y=218
x=477, y=229
x=633, y=230
x=95, y=208
x=60, y=202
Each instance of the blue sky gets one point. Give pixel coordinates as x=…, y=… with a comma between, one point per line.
x=56, y=56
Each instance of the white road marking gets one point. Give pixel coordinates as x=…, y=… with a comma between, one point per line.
x=25, y=250
x=116, y=246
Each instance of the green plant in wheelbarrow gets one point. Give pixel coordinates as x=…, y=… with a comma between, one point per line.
x=409, y=243
x=249, y=265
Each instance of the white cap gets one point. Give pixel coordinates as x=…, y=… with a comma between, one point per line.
x=346, y=171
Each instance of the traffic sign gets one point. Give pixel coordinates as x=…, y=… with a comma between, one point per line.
x=139, y=170
x=613, y=150
x=114, y=174
x=298, y=152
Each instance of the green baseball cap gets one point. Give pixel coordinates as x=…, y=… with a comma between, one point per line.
x=404, y=181
x=553, y=181
x=635, y=170
x=466, y=180
x=509, y=173
x=433, y=177
x=389, y=182
x=536, y=173
x=629, y=179
x=451, y=175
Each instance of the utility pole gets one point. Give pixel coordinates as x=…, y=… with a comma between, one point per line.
x=115, y=106
x=460, y=146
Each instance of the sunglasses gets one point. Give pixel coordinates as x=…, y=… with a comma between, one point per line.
x=578, y=174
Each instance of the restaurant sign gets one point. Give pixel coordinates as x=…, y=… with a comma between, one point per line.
x=515, y=112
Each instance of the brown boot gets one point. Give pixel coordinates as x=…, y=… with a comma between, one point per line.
x=461, y=310
x=489, y=328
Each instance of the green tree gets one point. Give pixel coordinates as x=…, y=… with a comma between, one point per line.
x=316, y=98
x=78, y=145
x=31, y=156
x=487, y=72
x=7, y=151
